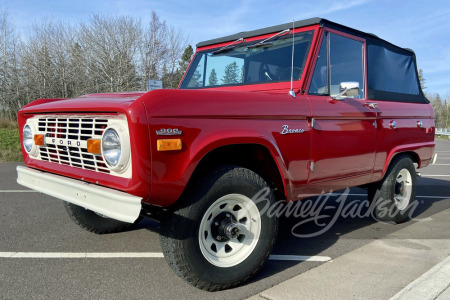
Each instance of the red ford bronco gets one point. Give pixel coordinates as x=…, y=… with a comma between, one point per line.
x=283, y=113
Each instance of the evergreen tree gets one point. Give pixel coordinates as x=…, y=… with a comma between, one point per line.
x=231, y=74
x=186, y=58
x=196, y=80
x=439, y=108
x=165, y=77
x=422, y=80
x=183, y=64
x=213, y=78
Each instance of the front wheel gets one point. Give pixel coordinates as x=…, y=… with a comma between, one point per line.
x=94, y=222
x=220, y=236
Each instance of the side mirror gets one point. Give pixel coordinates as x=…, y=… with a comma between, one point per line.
x=349, y=89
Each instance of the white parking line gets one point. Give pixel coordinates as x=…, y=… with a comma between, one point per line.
x=136, y=255
x=80, y=255
x=18, y=191
x=441, y=165
x=434, y=197
x=423, y=175
x=365, y=195
x=299, y=257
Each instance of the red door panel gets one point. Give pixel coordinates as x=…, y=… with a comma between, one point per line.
x=343, y=142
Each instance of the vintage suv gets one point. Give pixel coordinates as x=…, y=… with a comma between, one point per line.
x=279, y=113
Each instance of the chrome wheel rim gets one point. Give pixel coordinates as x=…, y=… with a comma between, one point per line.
x=403, y=189
x=229, y=230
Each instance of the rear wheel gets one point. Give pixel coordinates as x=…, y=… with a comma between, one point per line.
x=220, y=236
x=94, y=222
x=393, y=197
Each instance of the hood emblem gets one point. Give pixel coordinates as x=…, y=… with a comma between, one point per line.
x=287, y=130
x=169, y=131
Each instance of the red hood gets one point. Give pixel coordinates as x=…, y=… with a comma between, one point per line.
x=168, y=102
x=111, y=102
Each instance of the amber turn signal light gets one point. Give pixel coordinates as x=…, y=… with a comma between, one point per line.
x=39, y=140
x=169, y=144
x=94, y=146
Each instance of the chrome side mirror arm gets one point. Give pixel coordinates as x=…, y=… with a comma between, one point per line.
x=338, y=96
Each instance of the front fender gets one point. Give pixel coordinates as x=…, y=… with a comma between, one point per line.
x=172, y=170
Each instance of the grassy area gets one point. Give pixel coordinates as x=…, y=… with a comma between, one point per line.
x=443, y=137
x=9, y=142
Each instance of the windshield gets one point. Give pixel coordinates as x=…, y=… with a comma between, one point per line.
x=249, y=63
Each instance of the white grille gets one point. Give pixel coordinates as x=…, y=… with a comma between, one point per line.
x=66, y=140
x=72, y=128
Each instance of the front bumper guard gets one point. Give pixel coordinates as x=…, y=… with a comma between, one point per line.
x=108, y=202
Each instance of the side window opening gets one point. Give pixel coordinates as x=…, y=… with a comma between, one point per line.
x=319, y=81
x=197, y=76
x=395, y=72
x=340, y=61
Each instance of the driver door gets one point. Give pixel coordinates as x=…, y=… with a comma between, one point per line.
x=343, y=133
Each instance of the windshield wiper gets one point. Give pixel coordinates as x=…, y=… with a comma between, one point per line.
x=263, y=43
x=228, y=47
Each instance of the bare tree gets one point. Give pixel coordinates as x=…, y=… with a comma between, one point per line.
x=103, y=54
x=46, y=60
x=177, y=41
x=153, y=49
x=8, y=64
x=109, y=45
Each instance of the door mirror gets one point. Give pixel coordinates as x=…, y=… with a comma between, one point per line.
x=349, y=89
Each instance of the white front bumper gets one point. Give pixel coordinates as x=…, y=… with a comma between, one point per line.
x=111, y=203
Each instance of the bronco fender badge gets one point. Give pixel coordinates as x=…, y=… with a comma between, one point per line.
x=169, y=131
x=287, y=130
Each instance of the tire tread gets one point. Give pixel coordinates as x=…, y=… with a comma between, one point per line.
x=79, y=218
x=173, y=249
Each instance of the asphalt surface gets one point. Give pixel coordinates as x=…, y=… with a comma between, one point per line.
x=32, y=222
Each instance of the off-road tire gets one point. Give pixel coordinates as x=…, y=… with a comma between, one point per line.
x=383, y=194
x=93, y=222
x=181, y=242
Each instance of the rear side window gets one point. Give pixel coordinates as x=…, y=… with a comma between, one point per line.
x=391, y=71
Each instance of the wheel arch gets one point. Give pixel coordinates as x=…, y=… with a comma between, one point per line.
x=411, y=154
x=254, y=156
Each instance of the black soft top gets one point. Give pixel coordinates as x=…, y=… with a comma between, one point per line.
x=392, y=70
x=297, y=24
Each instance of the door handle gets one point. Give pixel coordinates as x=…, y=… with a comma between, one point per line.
x=372, y=105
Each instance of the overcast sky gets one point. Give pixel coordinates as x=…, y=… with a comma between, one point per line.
x=420, y=25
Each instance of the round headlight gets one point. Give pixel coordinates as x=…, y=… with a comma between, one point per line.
x=27, y=138
x=111, y=147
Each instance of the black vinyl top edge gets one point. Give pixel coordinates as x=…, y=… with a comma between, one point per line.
x=266, y=30
x=297, y=24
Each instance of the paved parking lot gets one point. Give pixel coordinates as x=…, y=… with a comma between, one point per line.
x=32, y=224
